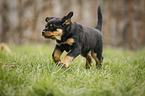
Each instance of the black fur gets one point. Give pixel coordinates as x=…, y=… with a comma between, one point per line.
x=86, y=39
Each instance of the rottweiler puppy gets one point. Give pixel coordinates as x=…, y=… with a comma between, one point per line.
x=75, y=39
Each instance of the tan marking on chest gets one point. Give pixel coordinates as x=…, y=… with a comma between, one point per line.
x=69, y=41
x=57, y=54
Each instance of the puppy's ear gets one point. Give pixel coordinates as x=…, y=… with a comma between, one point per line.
x=66, y=19
x=48, y=18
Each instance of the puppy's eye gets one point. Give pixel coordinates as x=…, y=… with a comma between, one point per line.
x=51, y=25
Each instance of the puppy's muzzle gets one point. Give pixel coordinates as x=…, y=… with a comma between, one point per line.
x=55, y=35
x=43, y=32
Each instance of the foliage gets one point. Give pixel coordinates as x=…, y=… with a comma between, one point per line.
x=30, y=71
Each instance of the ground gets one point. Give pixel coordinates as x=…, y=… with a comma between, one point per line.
x=30, y=71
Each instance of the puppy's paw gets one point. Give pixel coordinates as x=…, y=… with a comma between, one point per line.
x=62, y=64
x=99, y=66
x=59, y=63
x=88, y=66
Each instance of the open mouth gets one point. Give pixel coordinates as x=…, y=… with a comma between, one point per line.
x=56, y=35
x=52, y=37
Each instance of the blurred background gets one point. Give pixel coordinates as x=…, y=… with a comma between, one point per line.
x=22, y=21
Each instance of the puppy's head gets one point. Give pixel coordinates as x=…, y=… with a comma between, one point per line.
x=55, y=26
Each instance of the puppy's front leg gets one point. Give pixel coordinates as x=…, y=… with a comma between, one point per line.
x=56, y=54
x=67, y=60
x=70, y=56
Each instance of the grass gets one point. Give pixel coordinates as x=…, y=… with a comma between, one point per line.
x=30, y=71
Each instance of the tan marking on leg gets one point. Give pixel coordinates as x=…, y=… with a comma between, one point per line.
x=67, y=60
x=88, y=61
x=94, y=55
x=57, y=55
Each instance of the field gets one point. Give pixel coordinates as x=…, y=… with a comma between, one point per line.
x=30, y=71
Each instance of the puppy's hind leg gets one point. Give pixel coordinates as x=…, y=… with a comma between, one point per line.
x=88, y=61
x=98, y=58
x=71, y=56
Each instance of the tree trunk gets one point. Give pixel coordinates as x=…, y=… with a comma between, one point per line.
x=130, y=31
x=5, y=21
x=20, y=21
x=142, y=29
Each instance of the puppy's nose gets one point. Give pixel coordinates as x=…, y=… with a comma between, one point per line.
x=43, y=32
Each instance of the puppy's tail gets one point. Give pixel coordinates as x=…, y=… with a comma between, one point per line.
x=99, y=25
